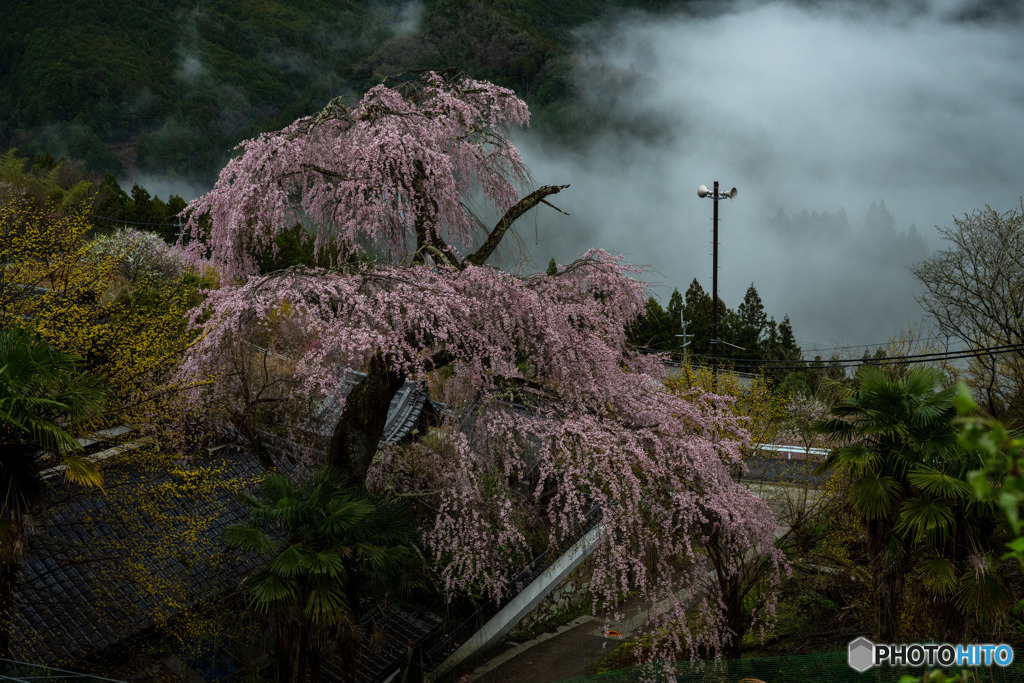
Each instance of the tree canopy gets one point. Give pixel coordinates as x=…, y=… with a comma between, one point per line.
x=974, y=291
x=549, y=410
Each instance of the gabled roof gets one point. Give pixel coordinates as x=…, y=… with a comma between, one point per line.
x=408, y=408
x=105, y=562
x=98, y=566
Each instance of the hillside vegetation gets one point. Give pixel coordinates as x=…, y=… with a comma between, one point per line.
x=172, y=85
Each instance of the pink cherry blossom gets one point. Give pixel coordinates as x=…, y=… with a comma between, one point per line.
x=549, y=411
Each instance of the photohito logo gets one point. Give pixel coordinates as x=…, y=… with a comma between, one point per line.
x=864, y=654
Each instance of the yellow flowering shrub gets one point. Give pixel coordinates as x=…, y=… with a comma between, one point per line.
x=755, y=397
x=55, y=283
x=160, y=505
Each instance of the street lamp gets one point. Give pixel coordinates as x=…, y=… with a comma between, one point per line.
x=703, y=192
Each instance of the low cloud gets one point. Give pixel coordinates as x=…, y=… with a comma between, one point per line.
x=163, y=186
x=823, y=108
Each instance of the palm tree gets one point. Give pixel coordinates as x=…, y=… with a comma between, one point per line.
x=327, y=544
x=899, y=442
x=957, y=564
x=44, y=397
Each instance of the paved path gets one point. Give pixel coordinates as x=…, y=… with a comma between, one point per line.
x=576, y=648
x=573, y=649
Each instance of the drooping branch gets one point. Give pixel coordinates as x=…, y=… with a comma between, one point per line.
x=401, y=167
x=427, y=236
x=478, y=257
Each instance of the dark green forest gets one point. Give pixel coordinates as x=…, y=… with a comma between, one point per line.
x=170, y=86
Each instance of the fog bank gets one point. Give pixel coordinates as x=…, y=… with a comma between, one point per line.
x=824, y=109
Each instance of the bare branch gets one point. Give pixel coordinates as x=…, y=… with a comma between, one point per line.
x=478, y=257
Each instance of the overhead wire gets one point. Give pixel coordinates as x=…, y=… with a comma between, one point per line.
x=858, y=346
x=118, y=220
x=795, y=365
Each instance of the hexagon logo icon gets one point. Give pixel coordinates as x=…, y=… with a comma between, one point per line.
x=862, y=655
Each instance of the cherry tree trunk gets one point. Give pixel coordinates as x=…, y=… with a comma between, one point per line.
x=361, y=425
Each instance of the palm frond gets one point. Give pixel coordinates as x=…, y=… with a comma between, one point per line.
x=81, y=471
x=939, y=483
x=330, y=528
x=275, y=487
x=269, y=591
x=346, y=516
x=248, y=538
x=290, y=561
x=925, y=518
x=326, y=604
x=326, y=563
x=982, y=593
x=874, y=496
x=938, y=575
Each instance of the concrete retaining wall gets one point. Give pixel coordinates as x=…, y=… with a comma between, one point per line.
x=524, y=603
x=566, y=600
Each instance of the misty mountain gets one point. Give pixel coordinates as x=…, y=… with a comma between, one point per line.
x=856, y=276
x=804, y=105
x=169, y=87
x=801, y=105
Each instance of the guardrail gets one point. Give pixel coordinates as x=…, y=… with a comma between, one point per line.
x=436, y=655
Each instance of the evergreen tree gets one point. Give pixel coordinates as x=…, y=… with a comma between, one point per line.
x=728, y=331
x=787, y=342
x=675, y=312
x=111, y=200
x=654, y=328
x=697, y=312
x=879, y=222
x=753, y=324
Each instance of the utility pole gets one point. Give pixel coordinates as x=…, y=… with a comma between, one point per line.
x=702, y=192
x=686, y=342
x=685, y=337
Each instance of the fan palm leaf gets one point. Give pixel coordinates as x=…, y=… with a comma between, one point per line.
x=44, y=398
x=938, y=574
x=982, y=593
x=925, y=519
x=897, y=442
x=874, y=496
x=325, y=543
x=939, y=483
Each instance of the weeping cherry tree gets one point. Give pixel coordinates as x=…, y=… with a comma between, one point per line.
x=546, y=401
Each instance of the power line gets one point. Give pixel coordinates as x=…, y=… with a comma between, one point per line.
x=860, y=346
x=135, y=222
x=894, y=360
x=1003, y=348
x=758, y=364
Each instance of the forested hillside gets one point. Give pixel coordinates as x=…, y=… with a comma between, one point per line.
x=171, y=86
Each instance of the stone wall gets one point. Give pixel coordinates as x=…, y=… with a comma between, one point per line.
x=570, y=599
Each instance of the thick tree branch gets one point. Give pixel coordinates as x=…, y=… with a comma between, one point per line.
x=361, y=425
x=478, y=257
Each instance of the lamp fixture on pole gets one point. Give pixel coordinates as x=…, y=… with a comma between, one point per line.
x=703, y=192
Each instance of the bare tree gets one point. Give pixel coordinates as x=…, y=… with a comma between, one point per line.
x=974, y=290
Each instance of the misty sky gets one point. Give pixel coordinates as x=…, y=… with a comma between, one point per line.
x=814, y=107
x=823, y=109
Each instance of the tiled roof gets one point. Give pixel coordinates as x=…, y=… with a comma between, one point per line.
x=100, y=568
x=407, y=408
x=401, y=630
